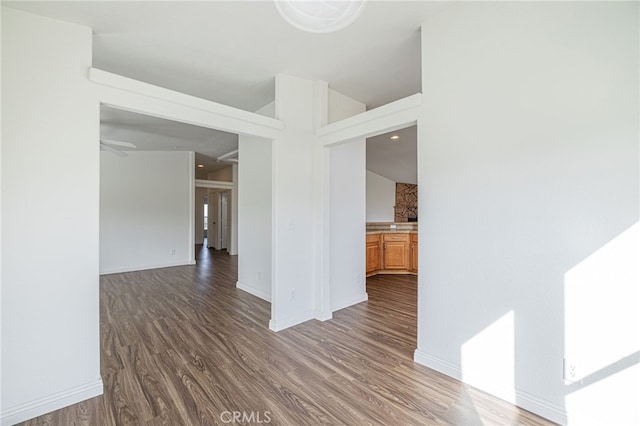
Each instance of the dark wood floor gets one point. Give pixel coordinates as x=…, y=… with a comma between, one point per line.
x=183, y=346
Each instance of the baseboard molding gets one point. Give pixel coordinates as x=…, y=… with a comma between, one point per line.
x=38, y=407
x=291, y=321
x=323, y=315
x=345, y=304
x=440, y=365
x=542, y=407
x=135, y=268
x=523, y=399
x=253, y=291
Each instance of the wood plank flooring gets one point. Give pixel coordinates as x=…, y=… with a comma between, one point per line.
x=183, y=346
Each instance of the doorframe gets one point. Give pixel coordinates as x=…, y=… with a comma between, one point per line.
x=126, y=94
x=396, y=115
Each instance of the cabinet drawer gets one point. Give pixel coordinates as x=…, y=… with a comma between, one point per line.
x=396, y=237
x=373, y=238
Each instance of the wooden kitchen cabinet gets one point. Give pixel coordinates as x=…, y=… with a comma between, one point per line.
x=374, y=257
x=395, y=251
x=413, y=255
x=392, y=253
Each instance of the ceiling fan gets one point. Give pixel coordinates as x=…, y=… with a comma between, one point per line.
x=109, y=145
x=229, y=157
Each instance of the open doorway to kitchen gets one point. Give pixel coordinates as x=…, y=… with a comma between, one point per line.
x=392, y=222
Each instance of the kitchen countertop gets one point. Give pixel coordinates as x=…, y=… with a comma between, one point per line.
x=385, y=227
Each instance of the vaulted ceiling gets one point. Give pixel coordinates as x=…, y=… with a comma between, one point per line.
x=230, y=51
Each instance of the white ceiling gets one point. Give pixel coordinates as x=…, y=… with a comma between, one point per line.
x=157, y=134
x=230, y=51
x=394, y=159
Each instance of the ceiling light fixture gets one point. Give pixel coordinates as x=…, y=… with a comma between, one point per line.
x=320, y=16
x=200, y=165
x=394, y=137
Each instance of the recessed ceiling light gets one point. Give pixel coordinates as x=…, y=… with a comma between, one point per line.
x=394, y=137
x=201, y=165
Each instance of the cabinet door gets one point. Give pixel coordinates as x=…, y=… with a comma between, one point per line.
x=413, y=264
x=414, y=257
x=373, y=257
x=395, y=255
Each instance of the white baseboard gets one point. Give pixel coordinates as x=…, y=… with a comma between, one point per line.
x=440, y=365
x=135, y=268
x=53, y=402
x=524, y=399
x=345, y=304
x=323, y=315
x=291, y=321
x=542, y=407
x=254, y=291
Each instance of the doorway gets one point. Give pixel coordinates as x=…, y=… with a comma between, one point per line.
x=218, y=219
x=392, y=217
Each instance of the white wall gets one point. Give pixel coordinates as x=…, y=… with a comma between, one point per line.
x=528, y=157
x=200, y=194
x=146, y=210
x=254, y=207
x=347, y=222
x=381, y=198
x=347, y=209
x=268, y=110
x=1, y=275
x=307, y=187
x=50, y=312
x=222, y=175
x=293, y=204
x=341, y=106
x=254, y=216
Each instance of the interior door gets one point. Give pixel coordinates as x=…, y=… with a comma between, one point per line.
x=212, y=231
x=223, y=220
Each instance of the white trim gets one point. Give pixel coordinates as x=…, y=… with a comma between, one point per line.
x=191, y=254
x=135, y=268
x=50, y=403
x=135, y=96
x=253, y=291
x=438, y=364
x=523, y=399
x=396, y=115
x=147, y=90
x=291, y=321
x=359, y=299
x=213, y=184
x=323, y=315
x=541, y=407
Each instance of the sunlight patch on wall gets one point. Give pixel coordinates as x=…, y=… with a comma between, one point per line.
x=602, y=332
x=488, y=359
